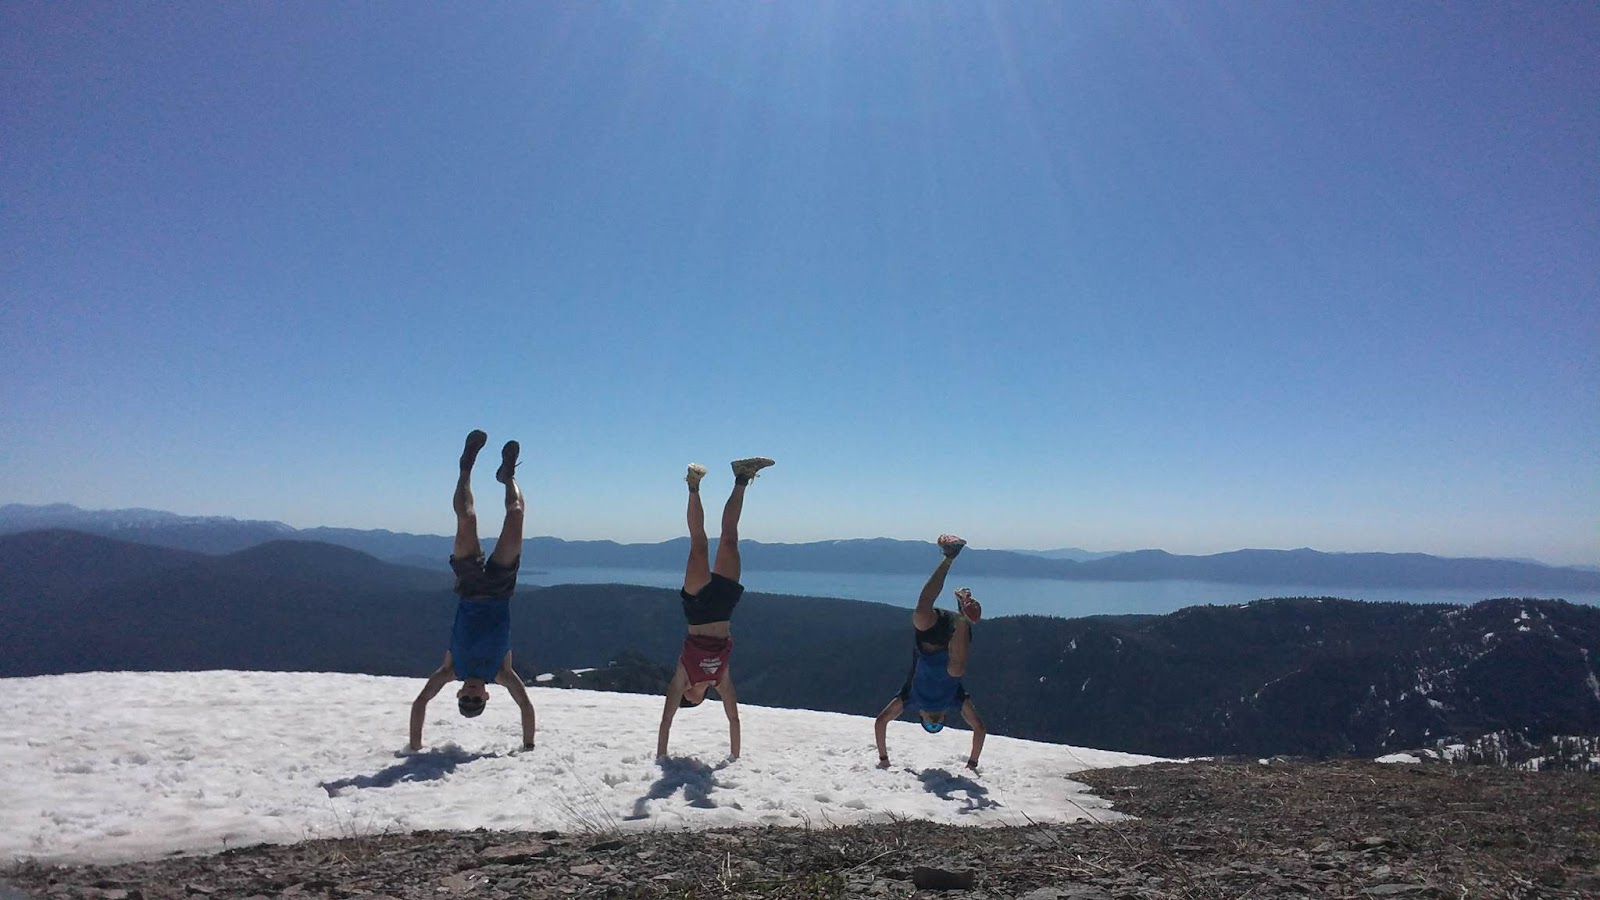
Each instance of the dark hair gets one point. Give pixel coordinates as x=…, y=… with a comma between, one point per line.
x=684, y=702
x=470, y=706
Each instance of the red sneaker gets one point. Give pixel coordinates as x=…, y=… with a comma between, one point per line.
x=950, y=545
x=970, y=608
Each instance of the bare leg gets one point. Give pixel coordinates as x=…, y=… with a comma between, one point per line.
x=466, y=545
x=508, y=549
x=924, y=617
x=697, y=573
x=728, y=544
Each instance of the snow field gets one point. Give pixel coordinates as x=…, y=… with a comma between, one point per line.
x=116, y=765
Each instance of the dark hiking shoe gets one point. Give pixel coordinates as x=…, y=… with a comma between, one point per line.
x=508, y=462
x=475, y=441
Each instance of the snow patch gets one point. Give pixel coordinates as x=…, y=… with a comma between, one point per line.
x=113, y=766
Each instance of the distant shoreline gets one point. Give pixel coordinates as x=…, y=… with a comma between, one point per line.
x=1008, y=595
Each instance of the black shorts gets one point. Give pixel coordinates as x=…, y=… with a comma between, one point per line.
x=714, y=603
x=478, y=578
x=942, y=631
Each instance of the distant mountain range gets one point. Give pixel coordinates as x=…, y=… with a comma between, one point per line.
x=869, y=555
x=1076, y=554
x=1294, y=676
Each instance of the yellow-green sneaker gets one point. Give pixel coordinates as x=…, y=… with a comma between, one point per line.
x=745, y=469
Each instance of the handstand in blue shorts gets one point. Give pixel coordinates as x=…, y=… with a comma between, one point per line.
x=938, y=661
x=480, y=641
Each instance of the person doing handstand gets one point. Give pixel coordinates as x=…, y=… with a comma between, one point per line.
x=480, y=640
x=710, y=592
x=938, y=662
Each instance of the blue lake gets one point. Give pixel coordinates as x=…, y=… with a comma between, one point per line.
x=1035, y=596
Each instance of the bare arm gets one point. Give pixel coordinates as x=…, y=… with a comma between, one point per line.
x=880, y=729
x=675, y=689
x=979, y=732
x=960, y=644
x=507, y=678
x=419, y=707
x=730, y=705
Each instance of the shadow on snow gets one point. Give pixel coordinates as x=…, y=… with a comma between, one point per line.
x=429, y=766
x=696, y=779
x=944, y=785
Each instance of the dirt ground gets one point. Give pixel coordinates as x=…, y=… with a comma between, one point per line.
x=1220, y=829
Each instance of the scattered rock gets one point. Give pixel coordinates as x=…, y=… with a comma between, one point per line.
x=931, y=879
x=458, y=883
x=1208, y=828
x=1069, y=892
x=514, y=853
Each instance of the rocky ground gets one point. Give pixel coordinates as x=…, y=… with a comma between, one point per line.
x=1239, y=829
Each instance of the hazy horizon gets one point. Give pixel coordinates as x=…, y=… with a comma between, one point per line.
x=490, y=529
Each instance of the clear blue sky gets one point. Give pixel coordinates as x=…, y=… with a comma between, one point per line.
x=1110, y=275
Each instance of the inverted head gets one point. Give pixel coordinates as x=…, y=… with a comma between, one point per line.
x=694, y=694
x=472, y=698
x=932, y=722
